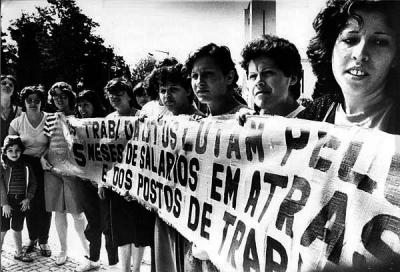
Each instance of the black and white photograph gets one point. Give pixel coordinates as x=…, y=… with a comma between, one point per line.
x=200, y=135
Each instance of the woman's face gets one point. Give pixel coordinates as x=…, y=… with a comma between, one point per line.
x=119, y=101
x=60, y=100
x=174, y=97
x=7, y=88
x=32, y=103
x=142, y=99
x=267, y=83
x=363, y=56
x=85, y=109
x=208, y=82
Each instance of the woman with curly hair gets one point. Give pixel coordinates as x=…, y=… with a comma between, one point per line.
x=63, y=194
x=273, y=69
x=355, y=56
x=30, y=127
x=171, y=250
x=155, y=107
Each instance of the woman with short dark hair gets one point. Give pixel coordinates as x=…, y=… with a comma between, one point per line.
x=97, y=210
x=273, y=69
x=30, y=127
x=171, y=249
x=141, y=96
x=63, y=194
x=132, y=225
x=9, y=104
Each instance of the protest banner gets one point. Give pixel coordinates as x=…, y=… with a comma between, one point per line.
x=275, y=195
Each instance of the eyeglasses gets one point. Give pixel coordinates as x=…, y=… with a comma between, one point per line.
x=60, y=96
x=29, y=101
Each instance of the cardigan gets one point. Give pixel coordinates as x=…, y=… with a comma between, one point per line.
x=5, y=177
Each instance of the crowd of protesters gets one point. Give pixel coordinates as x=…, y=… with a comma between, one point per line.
x=354, y=55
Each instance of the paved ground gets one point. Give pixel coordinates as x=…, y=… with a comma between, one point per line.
x=75, y=254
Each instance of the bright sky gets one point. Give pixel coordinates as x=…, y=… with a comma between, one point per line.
x=136, y=27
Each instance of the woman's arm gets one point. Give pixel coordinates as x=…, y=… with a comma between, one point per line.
x=3, y=190
x=31, y=190
x=13, y=129
x=44, y=162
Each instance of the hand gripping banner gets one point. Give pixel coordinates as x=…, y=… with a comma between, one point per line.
x=275, y=195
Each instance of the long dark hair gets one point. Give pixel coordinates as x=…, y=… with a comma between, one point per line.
x=329, y=23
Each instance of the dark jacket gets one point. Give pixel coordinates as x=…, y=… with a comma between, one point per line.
x=5, y=177
x=319, y=108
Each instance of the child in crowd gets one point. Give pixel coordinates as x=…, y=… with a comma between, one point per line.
x=17, y=188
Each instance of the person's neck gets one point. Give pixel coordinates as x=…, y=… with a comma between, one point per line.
x=355, y=103
x=5, y=103
x=125, y=112
x=281, y=109
x=187, y=109
x=34, y=115
x=67, y=111
x=223, y=105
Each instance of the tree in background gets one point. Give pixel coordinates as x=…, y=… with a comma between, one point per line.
x=8, y=56
x=142, y=68
x=56, y=43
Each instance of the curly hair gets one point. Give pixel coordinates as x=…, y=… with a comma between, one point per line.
x=10, y=140
x=175, y=74
x=120, y=84
x=150, y=82
x=35, y=89
x=284, y=54
x=65, y=88
x=14, y=96
x=222, y=57
x=329, y=23
x=92, y=97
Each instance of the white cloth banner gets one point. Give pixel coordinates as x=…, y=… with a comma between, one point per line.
x=275, y=195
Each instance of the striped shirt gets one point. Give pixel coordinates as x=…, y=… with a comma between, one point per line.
x=17, y=182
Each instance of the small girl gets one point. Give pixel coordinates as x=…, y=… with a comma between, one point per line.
x=17, y=188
